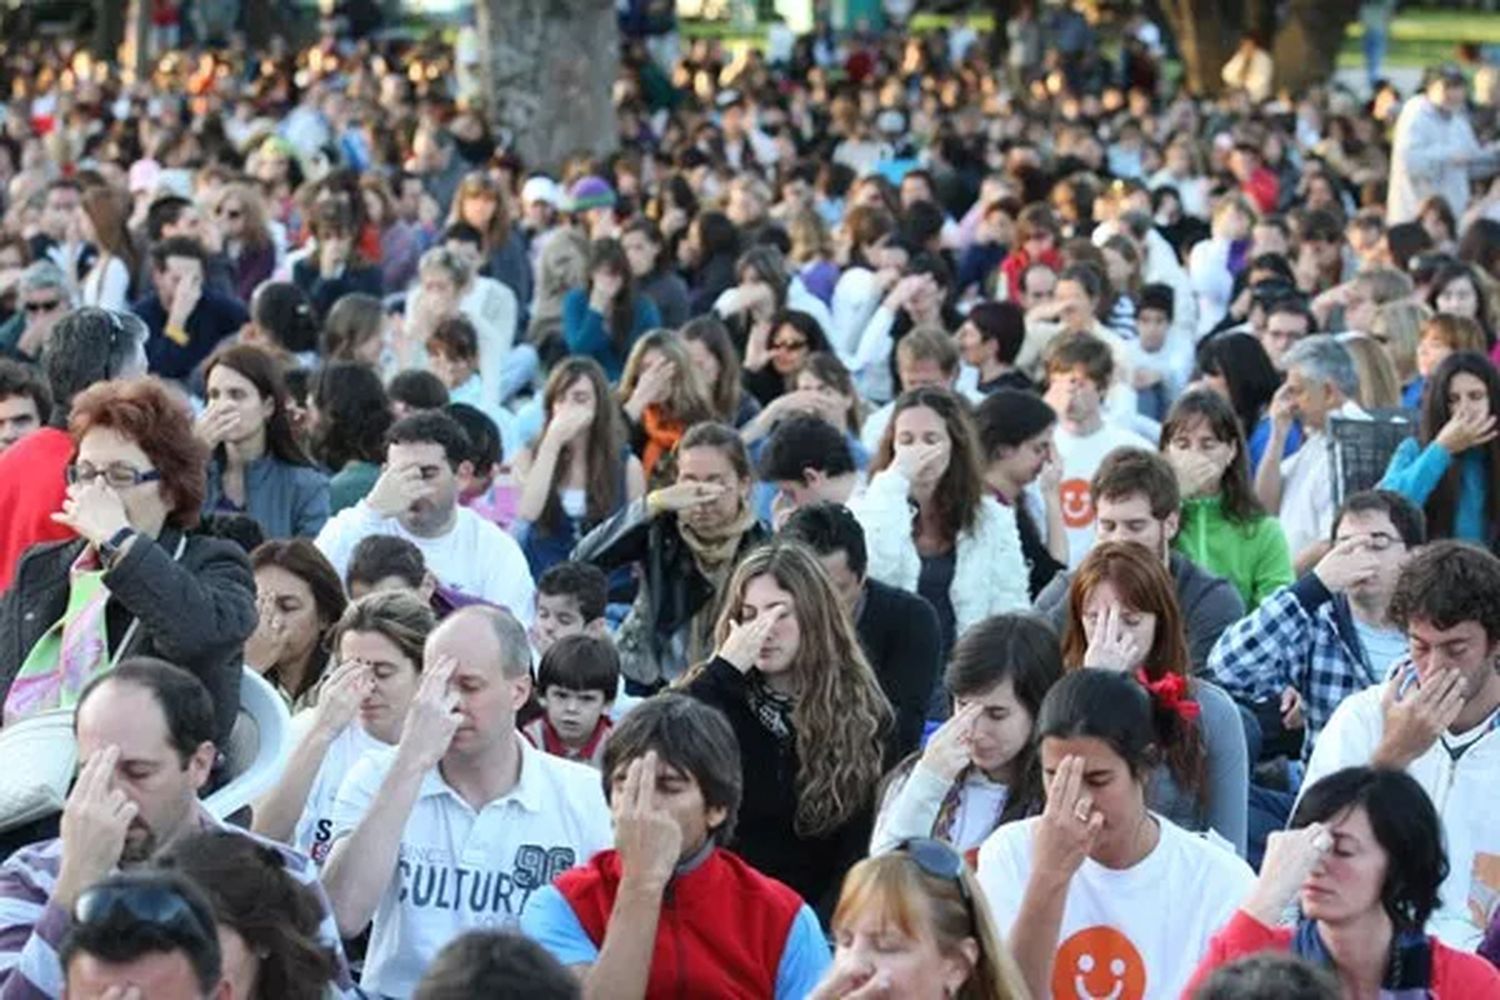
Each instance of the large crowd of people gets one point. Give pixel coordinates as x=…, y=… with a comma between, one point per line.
x=891, y=528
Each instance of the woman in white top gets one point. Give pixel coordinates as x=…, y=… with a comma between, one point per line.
x=101, y=222
x=1100, y=896
x=930, y=525
x=980, y=768
x=361, y=706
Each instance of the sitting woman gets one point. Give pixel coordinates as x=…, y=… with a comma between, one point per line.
x=249, y=244
x=1100, y=895
x=354, y=330
x=718, y=364
x=961, y=550
x=1441, y=336
x=685, y=540
x=377, y=645
x=580, y=471
x=980, y=768
x=300, y=598
x=258, y=466
x=663, y=396
x=912, y=923
x=1224, y=529
x=823, y=388
x=1123, y=616
x=269, y=922
x=350, y=415
x=1015, y=437
x=1363, y=862
x=604, y=319
x=135, y=582
x=772, y=362
x=1450, y=468
x=814, y=729
x=282, y=321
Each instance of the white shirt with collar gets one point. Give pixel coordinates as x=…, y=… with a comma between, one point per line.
x=1307, y=506
x=459, y=869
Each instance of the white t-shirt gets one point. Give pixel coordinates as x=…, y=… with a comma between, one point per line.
x=458, y=870
x=1080, y=458
x=1136, y=933
x=1307, y=507
x=313, y=835
x=475, y=558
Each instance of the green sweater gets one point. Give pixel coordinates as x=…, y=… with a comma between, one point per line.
x=1252, y=556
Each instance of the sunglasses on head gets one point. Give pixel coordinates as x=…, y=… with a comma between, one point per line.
x=937, y=859
x=159, y=906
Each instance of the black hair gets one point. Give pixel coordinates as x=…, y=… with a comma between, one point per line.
x=580, y=663
x=1448, y=583
x=802, y=442
x=165, y=211
x=241, y=529
x=1242, y=362
x=376, y=557
x=177, y=246
x=486, y=450
x=118, y=936
x=17, y=379
x=418, y=390
x=1405, y=516
x=692, y=737
x=1008, y=417
x=582, y=581
x=826, y=528
x=1406, y=826
x=1442, y=503
x=185, y=703
x=1105, y=705
x=1002, y=323
x=495, y=964
x=354, y=414
x=1269, y=975
x=463, y=233
x=284, y=310
x=1156, y=296
x=432, y=427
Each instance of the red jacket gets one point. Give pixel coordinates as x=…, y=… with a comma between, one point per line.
x=1456, y=975
x=31, y=491
x=1014, y=266
x=1263, y=190
x=722, y=930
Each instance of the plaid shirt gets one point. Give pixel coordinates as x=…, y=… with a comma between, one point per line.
x=1302, y=636
x=32, y=927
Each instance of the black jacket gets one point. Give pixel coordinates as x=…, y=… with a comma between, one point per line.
x=899, y=634
x=671, y=587
x=195, y=612
x=764, y=834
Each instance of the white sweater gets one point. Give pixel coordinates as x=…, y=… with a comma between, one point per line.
x=989, y=575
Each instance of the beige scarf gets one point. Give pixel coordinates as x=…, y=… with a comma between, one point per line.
x=714, y=557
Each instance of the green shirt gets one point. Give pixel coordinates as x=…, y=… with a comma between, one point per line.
x=351, y=484
x=1253, y=557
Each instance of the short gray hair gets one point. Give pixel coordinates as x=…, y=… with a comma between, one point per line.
x=1322, y=358
x=43, y=274
x=89, y=345
x=440, y=258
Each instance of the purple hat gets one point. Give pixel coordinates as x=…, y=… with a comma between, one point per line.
x=589, y=192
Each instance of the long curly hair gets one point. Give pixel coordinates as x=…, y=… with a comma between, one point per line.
x=840, y=717
x=961, y=490
x=604, y=445
x=1143, y=584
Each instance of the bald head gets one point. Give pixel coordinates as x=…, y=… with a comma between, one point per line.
x=483, y=636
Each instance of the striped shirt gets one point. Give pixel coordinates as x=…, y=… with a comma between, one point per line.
x=32, y=927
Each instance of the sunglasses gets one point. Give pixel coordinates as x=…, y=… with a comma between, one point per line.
x=155, y=905
x=937, y=859
x=43, y=307
x=788, y=345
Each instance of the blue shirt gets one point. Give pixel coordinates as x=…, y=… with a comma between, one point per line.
x=1415, y=472
x=1261, y=437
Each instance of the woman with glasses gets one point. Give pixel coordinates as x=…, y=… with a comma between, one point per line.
x=241, y=216
x=1102, y=896
x=912, y=923
x=134, y=582
x=1361, y=863
x=772, y=363
x=268, y=923
x=258, y=466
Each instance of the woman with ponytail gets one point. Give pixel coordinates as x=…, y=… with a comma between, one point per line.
x=1123, y=616
x=980, y=768
x=1101, y=895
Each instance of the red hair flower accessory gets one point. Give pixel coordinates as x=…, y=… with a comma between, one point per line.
x=1171, y=693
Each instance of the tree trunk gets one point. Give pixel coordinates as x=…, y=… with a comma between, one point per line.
x=550, y=74
x=1207, y=32
x=1307, y=44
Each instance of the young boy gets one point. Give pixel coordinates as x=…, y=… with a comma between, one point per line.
x=570, y=600
x=576, y=686
x=1154, y=359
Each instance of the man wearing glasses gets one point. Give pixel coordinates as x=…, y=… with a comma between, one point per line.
x=45, y=298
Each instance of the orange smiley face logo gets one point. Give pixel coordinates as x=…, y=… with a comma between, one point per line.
x=1077, y=505
x=1098, y=963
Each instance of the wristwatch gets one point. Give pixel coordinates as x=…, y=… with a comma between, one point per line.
x=108, y=550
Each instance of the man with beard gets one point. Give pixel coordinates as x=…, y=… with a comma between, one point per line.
x=144, y=734
x=416, y=498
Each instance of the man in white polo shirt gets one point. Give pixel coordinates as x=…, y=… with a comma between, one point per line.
x=416, y=498
x=463, y=821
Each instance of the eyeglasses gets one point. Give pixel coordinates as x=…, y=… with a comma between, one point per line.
x=119, y=475
x=43, y=307
x=788, y=345
x=159, y=906
x=937, y=859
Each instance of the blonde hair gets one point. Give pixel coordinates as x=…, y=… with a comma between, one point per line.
x=1399, y=326
x=257, y=232
x=896, y=889
x=840, y=716
x=688, y=398
x=1379, y=387
x=810, y=238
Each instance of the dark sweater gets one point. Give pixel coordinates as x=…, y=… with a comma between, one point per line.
x=899, y=633
x=215, y=317
x=765, y=836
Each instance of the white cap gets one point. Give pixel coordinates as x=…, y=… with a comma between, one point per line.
x=543, y=189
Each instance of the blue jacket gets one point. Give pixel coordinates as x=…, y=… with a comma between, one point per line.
x=1415, y=472
x=287, y=500
x=584, y=330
